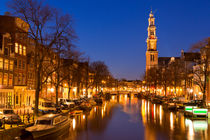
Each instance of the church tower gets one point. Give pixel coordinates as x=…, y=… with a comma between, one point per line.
x=151, y=53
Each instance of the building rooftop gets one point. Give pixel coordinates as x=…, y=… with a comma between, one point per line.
x=191, y=56
x=164, y=61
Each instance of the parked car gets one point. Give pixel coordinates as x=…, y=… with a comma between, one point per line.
x=77, y=101
x=9, y=117
x=46, y=106
x=67, y=102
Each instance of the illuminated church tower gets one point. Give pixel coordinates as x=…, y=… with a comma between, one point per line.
x=151, y=53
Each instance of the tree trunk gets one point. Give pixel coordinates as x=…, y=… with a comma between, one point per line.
x=78, y=89
x=204, y=86
x=165, y=89
x=69, y=91
x=155, y=88
x=56, y=88
x=37, y=93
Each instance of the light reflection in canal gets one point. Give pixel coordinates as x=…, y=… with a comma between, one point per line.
x=126, y=116
x=172, y=124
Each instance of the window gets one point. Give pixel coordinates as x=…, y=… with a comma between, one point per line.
x=31, y=64
x=152, y=57
x=151, y=33
x=20, y=49
x=44, y=122
x=152, y=22
x=24, y=79
x=6, y=64
x=6, y=51
x=57, y=120
x=23, y=64
x=20, y=78
x=1, y=78
x=24, y=50
x=28, y=75
x=15, y=62
x=19, y=64
x=10, y=79
x=16, y=47
x=1, y=63
x=11, y=65
x=15, y=78
x=5, y=79
x=16, y=99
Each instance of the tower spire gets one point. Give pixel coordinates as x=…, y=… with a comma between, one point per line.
x=152, y=53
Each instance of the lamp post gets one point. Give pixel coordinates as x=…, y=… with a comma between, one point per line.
x=191, y=93
x=51, y=90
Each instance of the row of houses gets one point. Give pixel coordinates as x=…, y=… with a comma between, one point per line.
x=186, y=77
x=17, y=69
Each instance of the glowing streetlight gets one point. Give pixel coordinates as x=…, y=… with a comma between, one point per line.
x=52, y=89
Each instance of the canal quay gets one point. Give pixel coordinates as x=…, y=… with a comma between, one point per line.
x=126, y=117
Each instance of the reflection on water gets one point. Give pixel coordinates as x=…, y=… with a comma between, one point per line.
x=126, y=117
x=171, y=125
x=74, y=123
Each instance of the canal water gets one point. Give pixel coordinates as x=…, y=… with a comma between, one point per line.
x=129, y=118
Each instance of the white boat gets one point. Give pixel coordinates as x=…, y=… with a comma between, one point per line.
x=49, y=124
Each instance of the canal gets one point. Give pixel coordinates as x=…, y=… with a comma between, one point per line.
x=129, y=118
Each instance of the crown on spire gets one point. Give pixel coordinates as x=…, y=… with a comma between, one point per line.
x=151, y=14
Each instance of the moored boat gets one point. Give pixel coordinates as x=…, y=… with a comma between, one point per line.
x=49, y=124
x=171, y=106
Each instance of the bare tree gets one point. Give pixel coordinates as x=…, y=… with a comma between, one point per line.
x=165, y=78
x=46, y=28
x=153, y=77
x=176, y=68
x=201, y=70
x=101, y=73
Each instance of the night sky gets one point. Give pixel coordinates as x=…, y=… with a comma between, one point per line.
x=115, y=31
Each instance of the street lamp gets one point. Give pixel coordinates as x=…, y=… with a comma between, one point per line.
x=191, y=93
x=52, y=89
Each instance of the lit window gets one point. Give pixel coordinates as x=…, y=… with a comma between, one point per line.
x=6, y=65
x=1, y=76
x=16, y=47
x=1, y=63
x=10, y=79
x=5, y=79
x=24, y=50
x=20, y=49
x=11, y=65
